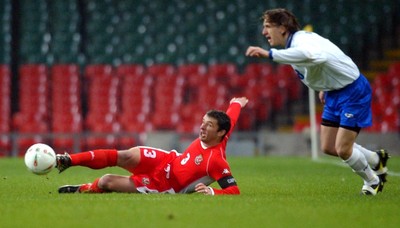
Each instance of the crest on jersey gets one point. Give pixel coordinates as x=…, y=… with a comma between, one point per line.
x=145, y=181
x=198, y=159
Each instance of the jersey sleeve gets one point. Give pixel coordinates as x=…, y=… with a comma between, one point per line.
x=233, y=112
x=299, y=56
x=305, y=50
x=221, y=172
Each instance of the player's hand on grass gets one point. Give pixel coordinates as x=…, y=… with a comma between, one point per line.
x=203, y=189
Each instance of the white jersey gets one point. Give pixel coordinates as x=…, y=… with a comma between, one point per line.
x=320, y=64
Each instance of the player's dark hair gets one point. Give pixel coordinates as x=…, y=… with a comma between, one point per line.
x=282, y=17
x=223, y=120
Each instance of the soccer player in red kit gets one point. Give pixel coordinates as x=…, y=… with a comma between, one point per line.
x=159, y=171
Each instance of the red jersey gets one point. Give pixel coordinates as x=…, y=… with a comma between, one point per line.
x=199, y=164
x=169, y=171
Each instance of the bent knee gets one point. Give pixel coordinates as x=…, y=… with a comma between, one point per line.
x=128, y=159
x=116, y=183
x=329, y=151
x=106, y=182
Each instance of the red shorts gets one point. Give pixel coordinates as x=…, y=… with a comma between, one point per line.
x=150, y=176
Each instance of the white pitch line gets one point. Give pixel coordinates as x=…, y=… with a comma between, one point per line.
x=337, y=163
x=394, y=174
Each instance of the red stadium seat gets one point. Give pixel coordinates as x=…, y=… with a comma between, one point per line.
x=394, y=70
x=65, y=69
x=247, y=120
x=66, y=128
x=383, y=81
x=240, y=81
x=103, y=131
x=288, y=80
x=191, y=116
x=97, y=70
x=130, y=69
x=101, y=141
x=213, y=97
x=395, y=100
x=128, y=141
x=161, y=69
x=191, y=69
x=135, y=122
x=34, y=112
x=390, y=120
x=257, y=70
x=33, y=70
x=103, y=108
x=5, y=109
x=222, y=72
x=66, y=121
x=163, y=120
x=136, y=105
x=222, y=69
x=31, y=132
x=269, y=90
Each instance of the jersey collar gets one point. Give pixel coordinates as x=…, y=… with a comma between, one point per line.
x=289, y=40
x=204, y=146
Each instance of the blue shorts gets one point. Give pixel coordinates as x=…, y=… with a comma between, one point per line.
x=351, y=105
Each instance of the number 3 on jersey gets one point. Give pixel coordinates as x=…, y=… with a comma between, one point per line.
x=149, y=153
x=185, y=160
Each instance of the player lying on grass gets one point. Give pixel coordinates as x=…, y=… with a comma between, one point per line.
x=344, y=91
x=158, y=171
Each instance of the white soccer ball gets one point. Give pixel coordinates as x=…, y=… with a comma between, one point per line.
x=40, y=158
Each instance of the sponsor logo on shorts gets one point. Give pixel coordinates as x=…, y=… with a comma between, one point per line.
x=348, y=115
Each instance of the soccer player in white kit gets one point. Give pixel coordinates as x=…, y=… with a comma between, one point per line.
x=344, y=91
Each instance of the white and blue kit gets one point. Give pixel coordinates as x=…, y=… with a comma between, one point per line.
x=322, y=66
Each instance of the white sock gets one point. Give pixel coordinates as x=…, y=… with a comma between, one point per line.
x=359, y=164
x=372, y=157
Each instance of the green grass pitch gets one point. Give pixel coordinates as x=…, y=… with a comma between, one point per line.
x=276, y=192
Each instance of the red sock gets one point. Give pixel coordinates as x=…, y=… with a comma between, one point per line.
x=91, y=187
x=95, y=159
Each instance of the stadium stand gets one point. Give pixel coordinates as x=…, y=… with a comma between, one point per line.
x=83, y=69
x=5, y=32
x=136, y=102
x=66, y=36
x=102, y=106
x=386, y=100
x=5, y=109
x=66, y=118
x=34, y=37
x=33, y=115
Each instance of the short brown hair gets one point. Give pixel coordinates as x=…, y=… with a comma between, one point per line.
x=282, y=17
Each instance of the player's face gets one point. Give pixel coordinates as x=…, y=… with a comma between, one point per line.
x=274, y=34
x=209, y=130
